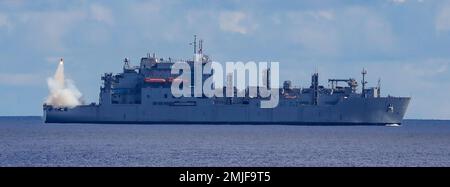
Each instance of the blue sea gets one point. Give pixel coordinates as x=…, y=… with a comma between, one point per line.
x=27, y=141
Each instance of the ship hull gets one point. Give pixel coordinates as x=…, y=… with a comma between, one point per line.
x=352, y=111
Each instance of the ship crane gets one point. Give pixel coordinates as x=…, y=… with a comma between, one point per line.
x=351, y=82
x=127, y=67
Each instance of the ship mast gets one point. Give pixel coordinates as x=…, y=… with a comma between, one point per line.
x=315, y=87
x=200, y=46
x=379, y=87
x=197, y=54
x=195, y=44
x=363, y=82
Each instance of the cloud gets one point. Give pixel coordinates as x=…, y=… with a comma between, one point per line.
x=236, y=21
x=323, y=14
x=48, y=29
x=146, y=10
x=314, y=30
x=404, y=1
x=148, y=15
x=378, y=32
x=424, y=79
x=11, y=3
x=20, y=79
x=5, y=22
x=442, y=22
x=428, y=83
x=330, y=33
x=428, y=68
x=101, y=14
x=398, y=1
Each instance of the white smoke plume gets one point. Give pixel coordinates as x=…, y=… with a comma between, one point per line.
x=63, y=92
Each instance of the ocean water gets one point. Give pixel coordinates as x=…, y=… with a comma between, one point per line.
x=26, y=141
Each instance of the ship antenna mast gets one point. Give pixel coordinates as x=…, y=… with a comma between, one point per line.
x=315, y=87
x=200, y=47
x=195, y=44
x=364, y=82
x=379, y=87
x=379, y=83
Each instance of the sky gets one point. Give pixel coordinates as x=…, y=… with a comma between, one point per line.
x=404, y=43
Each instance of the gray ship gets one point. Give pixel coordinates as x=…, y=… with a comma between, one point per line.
x=142, y=95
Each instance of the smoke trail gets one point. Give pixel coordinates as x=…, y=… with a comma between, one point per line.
x=63, y=92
